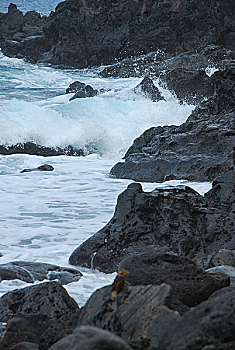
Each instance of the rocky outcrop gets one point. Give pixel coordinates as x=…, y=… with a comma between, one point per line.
x=33, y=271
x=87, y=33
x=148, y=89
x=38, y=150
x=174, y=219
x=198, y=150
x=91, y=338
x=190, y=284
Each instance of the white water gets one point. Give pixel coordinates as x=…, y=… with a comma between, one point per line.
x=45, y=216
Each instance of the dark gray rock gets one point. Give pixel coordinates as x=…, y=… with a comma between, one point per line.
x=36, y=271
x=175, y=219
x=91, y=338
x=189, y=283
x=199, y=149
x=38, y=150
x=25, y=346
x=47, y=299
x=210, y=325
x=43, y=167
x=147, y=88
x=86, y=91
x=138, y=314
x=74, y=87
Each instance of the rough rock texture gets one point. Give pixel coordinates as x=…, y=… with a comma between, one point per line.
x=138, y=314
x=210, y=325
x=91, y=338
x=199, y=149
x=25, y=346
x=174, y=219
x=225, y=270
x=87, y=33
x=35, y=271
x=38, y=150
x=48, y=299
x=147, y=88
x=188, y=282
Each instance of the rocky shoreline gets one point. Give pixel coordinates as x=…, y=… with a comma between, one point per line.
x=173, y=249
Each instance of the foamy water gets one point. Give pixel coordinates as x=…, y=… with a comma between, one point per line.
x=45, y=216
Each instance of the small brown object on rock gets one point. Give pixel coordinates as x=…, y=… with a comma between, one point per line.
x=119, y=282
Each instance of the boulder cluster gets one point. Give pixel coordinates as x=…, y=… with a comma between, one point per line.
x=173, y=249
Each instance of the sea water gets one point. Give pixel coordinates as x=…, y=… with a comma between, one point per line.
x=45, y=216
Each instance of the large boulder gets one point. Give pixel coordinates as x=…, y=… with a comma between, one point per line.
x=138, y=314
x=210, y=325
x=47, y=299
x=91, y=338
x=189, y=283
x=199, y=149
x=35, y=271
x=175, y=219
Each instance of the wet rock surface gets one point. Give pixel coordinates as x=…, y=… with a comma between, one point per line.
x=38, y=150
x=81, y=90
x=35, y=271
x=198, y=150
x=175, y=219
x=147, y=88
x=43, y=167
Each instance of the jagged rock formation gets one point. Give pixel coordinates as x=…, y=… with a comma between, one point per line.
x=87, y=33
x=199, y=149
x=176, y=219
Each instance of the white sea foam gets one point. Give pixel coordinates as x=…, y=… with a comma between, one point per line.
x=45, y=216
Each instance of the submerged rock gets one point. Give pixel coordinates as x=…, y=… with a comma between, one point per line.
x=175, y=219
x=81, y=90
x=147, y=88
x=36, y=271
x=43, y=167
x=91, y=338
x=38, y=150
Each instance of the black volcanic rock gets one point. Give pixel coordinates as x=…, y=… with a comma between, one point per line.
x=198, y=150
x=43, y=167
x=148, y=89
x=49, y=299
x=138, y=314
x=38, y=150
x=35, y=271
x=175, y=219
x=189, y=283
x=208, y=326
x=82, y=34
